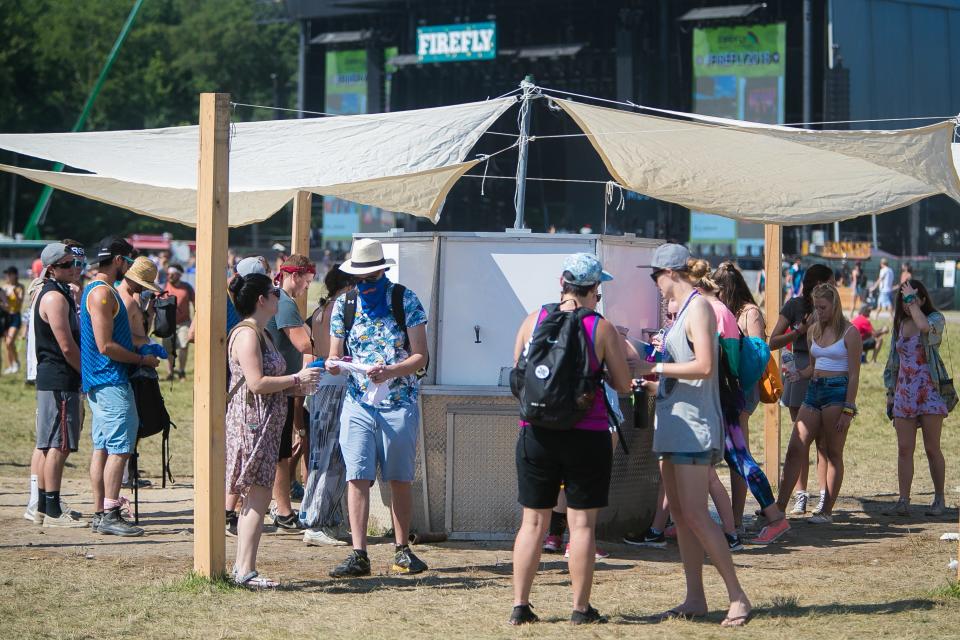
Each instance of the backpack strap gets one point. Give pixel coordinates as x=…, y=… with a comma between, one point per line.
x=263, y=347
x=399, y=315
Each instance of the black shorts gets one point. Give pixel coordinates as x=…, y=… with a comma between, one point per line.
x=286, y=436
x=579, y=460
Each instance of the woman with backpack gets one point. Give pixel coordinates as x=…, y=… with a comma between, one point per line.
x=795, y=319
x=553, y=449
x=914, y=376
x=688, y=434
x=326, y=481
x=256, y=412
x=829, y=406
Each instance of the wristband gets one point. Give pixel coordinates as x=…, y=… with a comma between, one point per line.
x=296, y=380
x=910, y=298
x=658, y=369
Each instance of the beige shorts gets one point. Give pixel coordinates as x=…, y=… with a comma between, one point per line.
x=181, y=336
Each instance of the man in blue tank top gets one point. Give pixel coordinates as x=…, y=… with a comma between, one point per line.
x=107, y=353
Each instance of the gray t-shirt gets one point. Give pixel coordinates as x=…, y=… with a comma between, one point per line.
x=288, y=316
x=796, y=311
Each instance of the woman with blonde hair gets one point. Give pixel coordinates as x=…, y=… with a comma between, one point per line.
x=830, y=402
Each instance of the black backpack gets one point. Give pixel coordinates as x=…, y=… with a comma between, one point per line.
x=552, y=379
x=396, y=306
x=165, y=320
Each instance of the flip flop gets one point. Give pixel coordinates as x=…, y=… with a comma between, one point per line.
x=253, y=580
x=674, y=614
x=739, y=621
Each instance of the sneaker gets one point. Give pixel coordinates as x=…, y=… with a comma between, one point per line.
x=95, y=520
x=590, y=616
x=353, y=567
x=551, y=544
x=65, y=521
x=733, y=541
x=321, y=536
x=113, y=524
x=33, y=516
x=800, y=499
x=296, y=491
x=820, y=518
x=649, y=538
x=772, y=532
x=232, y=520
x=66, y=507
x=822, y=503
x=288, y=523
x=181, y=375
x=599, y=554
x=937, y=508
x=670, y=533
x=405, y=561
x=902, y=508
x=523, y=614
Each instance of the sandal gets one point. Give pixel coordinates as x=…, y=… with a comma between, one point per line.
x=738, y=621
x=676, y=614
x=253, y=580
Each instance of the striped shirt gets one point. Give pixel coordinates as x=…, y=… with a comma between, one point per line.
x=96, y=369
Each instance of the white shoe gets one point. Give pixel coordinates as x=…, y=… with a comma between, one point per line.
x=65, y=521
x=66, y=507
x=820, y=518
x=15, y=368
x=320, y=537
x=31, y=515
x=821, y=504
x=799, y=503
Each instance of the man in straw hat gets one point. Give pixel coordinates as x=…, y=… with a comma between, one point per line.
x=382, y=326
x=57, y=338
x=107, y=349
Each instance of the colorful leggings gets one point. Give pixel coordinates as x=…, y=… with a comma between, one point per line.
x=739, y=458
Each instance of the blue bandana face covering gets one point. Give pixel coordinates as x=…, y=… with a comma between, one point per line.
x=374, y=297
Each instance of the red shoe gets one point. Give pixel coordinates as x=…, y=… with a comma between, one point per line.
x=552, y=544
x=772, y=532
x=599, y=555
x=670, y=532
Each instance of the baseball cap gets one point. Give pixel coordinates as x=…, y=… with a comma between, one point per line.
x=584, y=269
x=251, y=265
x=110, y=247
x=54, y=253
x=669, y=256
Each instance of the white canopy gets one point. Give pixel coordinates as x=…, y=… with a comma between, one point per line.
x=403, y=161
x=771, y=174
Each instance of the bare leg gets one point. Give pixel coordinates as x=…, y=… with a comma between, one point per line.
x=182, y=359
x=526, y=552
x=691, y=551
x=906, y=444
x=97, y=463
x=804, y=433
x=53, y=469
x=358, y=504
x=803, y=478
x=821, y=460
x=113, y=475
x=931, y=427
x=663, y=509
x=721, y=500
x=232, y=500
x=281, y=487
x=583, y=548
x=401, y=503
x=835, y=441
x=250, y=527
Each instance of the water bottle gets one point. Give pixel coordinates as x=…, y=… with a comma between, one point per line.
x=650, y=355
x=788, y=364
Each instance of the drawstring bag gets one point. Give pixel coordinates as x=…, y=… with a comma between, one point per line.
x=771, y=385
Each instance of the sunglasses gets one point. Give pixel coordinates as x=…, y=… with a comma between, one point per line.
x=128, y=259
x=372, y=278
x=71, y=264
x=656, y=274
x=599, y=296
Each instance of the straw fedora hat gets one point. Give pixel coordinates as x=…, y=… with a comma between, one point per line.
x=366, y=256
x=144, y=273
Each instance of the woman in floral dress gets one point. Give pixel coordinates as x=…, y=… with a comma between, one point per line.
x=912, y=378
x=256, y=411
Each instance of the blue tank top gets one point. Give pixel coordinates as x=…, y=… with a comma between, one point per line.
x=96, y=369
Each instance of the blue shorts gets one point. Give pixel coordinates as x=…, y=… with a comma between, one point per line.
x=372, y=437
x=115, y=420
x=14, y=321
x=826, y=392
x=696, y=458
x=885, y=299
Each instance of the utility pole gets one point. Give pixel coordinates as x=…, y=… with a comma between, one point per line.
x=521, y=193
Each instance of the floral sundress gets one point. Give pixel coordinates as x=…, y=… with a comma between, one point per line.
x=915, y=394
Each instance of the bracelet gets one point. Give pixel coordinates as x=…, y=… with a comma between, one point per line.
x=910, y=298
x=658, y=369
x=296, y=380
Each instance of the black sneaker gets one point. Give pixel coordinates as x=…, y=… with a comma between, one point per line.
x=289, y=523
x=95, y=521
x=232, y=520
x=590, y=616
x=523, y=614
x=734, y=542
x=354, y=566
x=113, y=524
x=404, y=561
x=648, y=538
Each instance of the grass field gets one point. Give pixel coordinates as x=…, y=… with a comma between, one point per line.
x=868, y=575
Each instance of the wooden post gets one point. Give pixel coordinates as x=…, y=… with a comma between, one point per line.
x=300, y=240
x=210, y=397
x=773, y=250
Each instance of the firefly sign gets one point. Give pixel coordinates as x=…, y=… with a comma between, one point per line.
x=457, y=42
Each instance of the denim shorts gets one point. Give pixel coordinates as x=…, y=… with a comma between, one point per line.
x=696, y=458
x=371, y=437
x=826, y=392
x=115, y=420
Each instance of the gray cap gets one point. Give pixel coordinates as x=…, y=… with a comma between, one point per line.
x=251, y=265
x=54, y=253
x=669, y=256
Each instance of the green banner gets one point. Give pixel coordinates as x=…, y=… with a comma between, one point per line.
x=457, y=42
x=757, y=50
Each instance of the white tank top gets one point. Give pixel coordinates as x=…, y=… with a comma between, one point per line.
x=832, y=358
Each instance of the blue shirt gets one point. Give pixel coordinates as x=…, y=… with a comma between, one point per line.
x=96, y=369
x=233, y=318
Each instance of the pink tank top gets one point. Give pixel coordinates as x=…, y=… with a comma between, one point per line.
x=596, y=419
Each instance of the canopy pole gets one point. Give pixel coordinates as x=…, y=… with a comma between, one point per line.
x=300, y=239
x=520, y=196
x=210, y=383
x=773, y=250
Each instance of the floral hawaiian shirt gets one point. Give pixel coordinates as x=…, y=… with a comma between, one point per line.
x=380, y=341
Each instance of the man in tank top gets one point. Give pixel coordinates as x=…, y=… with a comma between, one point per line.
x=107, y=353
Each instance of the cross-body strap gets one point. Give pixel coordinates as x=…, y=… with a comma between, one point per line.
x=233, y=333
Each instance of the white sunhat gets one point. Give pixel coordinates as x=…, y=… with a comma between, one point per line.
x=366, y=256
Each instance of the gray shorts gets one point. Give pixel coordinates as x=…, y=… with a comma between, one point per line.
x=59, y=417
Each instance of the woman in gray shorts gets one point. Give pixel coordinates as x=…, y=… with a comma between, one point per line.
x=688, y=434
x=797, y=316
